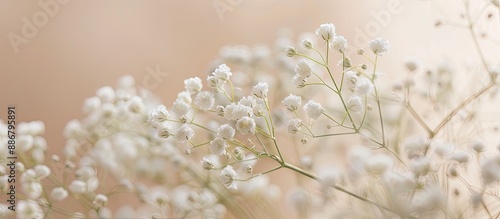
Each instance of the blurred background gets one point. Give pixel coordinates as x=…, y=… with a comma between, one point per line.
x=55, y=54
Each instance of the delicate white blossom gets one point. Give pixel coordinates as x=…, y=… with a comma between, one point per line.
x=313, y=109
x=226, y=132
x=246, y=125
x=292, y=102
x=193, y=85
x=260, y=90
x=228, y=177
x=379, y=46
x=326, y=31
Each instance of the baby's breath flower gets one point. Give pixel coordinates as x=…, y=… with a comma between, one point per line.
x=100, y=201
x=326, y=31
x=218, y=146
x=185, y=96
x=207, y=164
x=260, y=90
x=180, y=108
x=355, y=104
x=184, y=133
x=193, y=85
x=228, y=177
x=307, y=43
x=489, y=170
x=298, y=81
x=379, y=46
x=411, y=64
x=339, y=43
x=246, y=125
x=204, y=100
x=160, y=114
x=294, y=125
x=303, y=69
x=226, y=132
x=91, y=104
x=59, y=194
x=223, y=73
x=292, y=102
x=290, y=51
x=460, y=156
x=165, y=130
x=106, y=94
x=379, y=163
x=350, y=79
x=78, y=187
x=363, y=86
x=313, y=109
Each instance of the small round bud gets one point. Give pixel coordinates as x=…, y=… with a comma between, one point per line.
x=364, y=66
x=303, y=140
x=360, y=51
x=207, y=164
x=187, y=152
x=183, y=119
x=290, y=51
x=307, y=43
x=248, y=169
x=55, y=158
x=369, y=107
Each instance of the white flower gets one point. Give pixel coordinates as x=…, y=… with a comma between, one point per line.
x=350, y=79
x=204, y=100
x=489, y=170
x=226, y=132
x=160, y=114
x=292, y=102
x=249, y=101
x=298, y=81
x=193, y=85
x=379, y=46
x=326, y=31
x=355, y=104
x=339, y=43
x=460, y=156
x=180, y=108
x=42, y=171
x=165, y=130
x=185, y=96
x=303, y=69
x=29, y=209
x=59, y=194
x=294, y=125
x=91, y=105
x=78, y=186
x=218, y=146
x=260, y=90
x=207, y=164
x=363, y=86
x=411, y=63
x=239, y=111
x=100, y=201
x=106, y=94
x=313, y=109
x=307, y=43
x=213, y=82
x=290, y=51
x=246, y=125
x=379, y=163
x=184, y=133
x=222, y=72
x=227, y=177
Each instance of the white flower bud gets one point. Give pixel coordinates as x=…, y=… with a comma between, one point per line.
x=299, y=81
x=355, y=104
x=42, y=171
x=78, y=186
x=228, y=176
x=106, y=94
x=207, y=164
x=100, y=201
x=180, y=108
x=379, y=164
x=307, y=43
x=460, y=156
x=58, y=194
x=363, y=86
x=303, y=69
x=290, y=51
x=91, y=104
x=165, y=130
x=223, y=72
x=477, y=146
